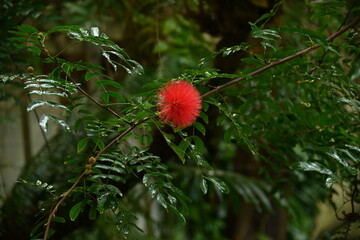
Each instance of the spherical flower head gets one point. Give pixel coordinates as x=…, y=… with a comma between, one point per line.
x=179, y=102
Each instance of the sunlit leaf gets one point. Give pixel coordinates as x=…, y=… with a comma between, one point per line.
x=313, y=166
x=36, y=104
x=43, y=122
x=204, y=186
x=220, y=184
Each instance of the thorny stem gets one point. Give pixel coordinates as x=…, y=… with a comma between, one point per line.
x=281, y=61
x=134, y=125
x=85, y=172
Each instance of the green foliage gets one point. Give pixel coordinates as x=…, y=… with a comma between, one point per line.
x=271, y=140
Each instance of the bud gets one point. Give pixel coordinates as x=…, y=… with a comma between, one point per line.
x=92, y=160
x=40, y=36
x=30, y=69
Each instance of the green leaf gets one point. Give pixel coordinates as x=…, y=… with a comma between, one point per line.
x=93, y=212
x=75, y=210
x=35, y=50
x=106, y=98
x=350, y=155
x=331, y=180
x=114, y=190
x=177, y=213
x=98, y=142
x=59, y=219
x=220, y=184
x=355, y=148
x=116, y=95
x=200, y=127
x=27, y=28
x=108, y=176
x=354, y=104
x=37, y=226
x=43, y=122
x=100, y=83
x=313, y=166
x=90, y=75
x=112, y=168
x=261, y=196
x=36, y=104
x=161, y=200
x=82, y=144
x=327, y=8
x=62, y=123
x=333, y=153
x=205, y=117
x=179, y=152
x=204, y=185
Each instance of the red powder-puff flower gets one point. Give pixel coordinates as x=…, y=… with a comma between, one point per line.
x=179, y=103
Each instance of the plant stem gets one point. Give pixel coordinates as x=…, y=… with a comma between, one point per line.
x=121, y=136
x=281, y=61
x=85, y=172
x=64, y=196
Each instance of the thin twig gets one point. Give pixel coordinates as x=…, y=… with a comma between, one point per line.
x=353, y=195
x=64, y=196
x=281, y=61
x=54, y=58
x=121, y=136
x=85, y=172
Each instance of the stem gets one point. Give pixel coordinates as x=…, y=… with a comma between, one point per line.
x=121, y=136
x=85, y=172
x=54, y=210
x=281, y=61
x=353, y=195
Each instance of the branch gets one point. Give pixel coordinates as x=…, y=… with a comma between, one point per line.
x=91, y=162
x=64, y=196
x=281, y=61
x=54, y=58
x=121, y=136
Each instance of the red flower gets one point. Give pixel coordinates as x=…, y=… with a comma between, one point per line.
x=179, y=103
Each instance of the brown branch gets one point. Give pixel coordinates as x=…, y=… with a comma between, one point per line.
x=64, y=196
x=121, y=136
x=91, y=162
x=281, y=61
x=353, y=195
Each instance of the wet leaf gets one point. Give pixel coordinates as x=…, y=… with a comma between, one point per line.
x=312, y=166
